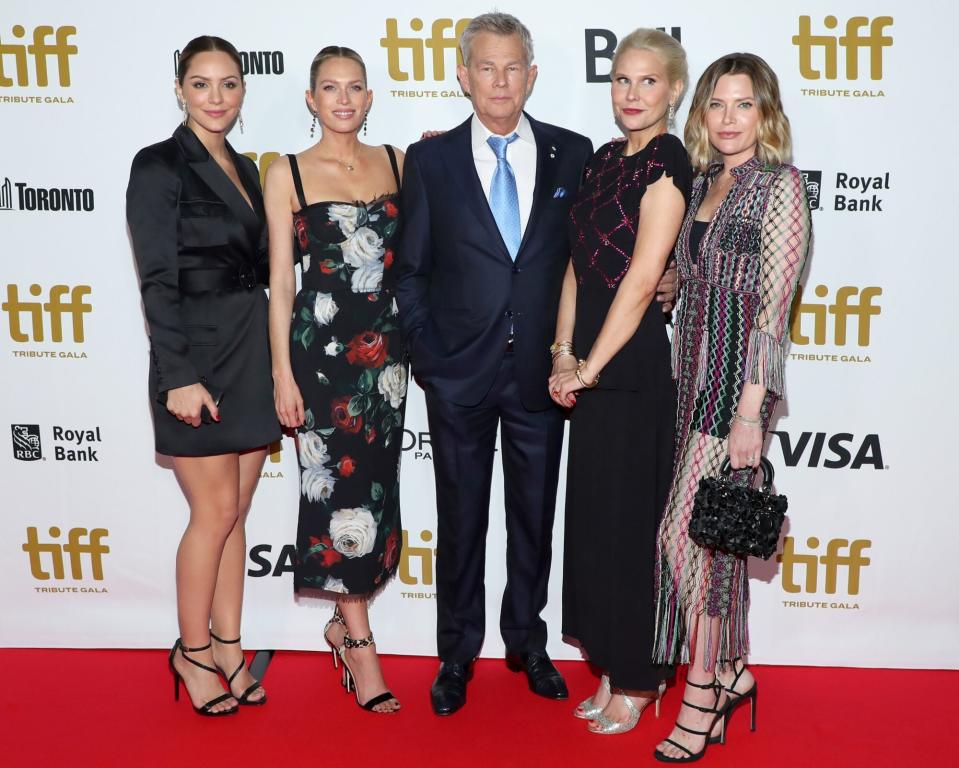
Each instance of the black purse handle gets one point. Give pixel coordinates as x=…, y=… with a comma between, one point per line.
x=764, y=464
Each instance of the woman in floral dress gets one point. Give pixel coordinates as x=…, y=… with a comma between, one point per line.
x=339, y=378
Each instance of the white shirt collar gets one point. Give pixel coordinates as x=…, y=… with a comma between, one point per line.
x=480, y=133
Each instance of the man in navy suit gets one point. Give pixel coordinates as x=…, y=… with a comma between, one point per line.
x=479, y=272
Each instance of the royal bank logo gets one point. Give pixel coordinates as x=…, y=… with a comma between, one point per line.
x=828, y=55
x=26, y=442
x=842, y=450
x=601, y=45
x=21, y=196
x=251, y=62
x=813, y=182
x=837, y=569
x=83, y=550
x=827, y=322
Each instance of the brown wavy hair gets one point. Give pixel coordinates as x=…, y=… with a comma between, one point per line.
x=774, y=139
x=206, y=44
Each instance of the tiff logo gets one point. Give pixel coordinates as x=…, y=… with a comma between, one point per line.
x=26, y=442
x=438, y=42
x=75, y=548
x=61, y=50
x=55, y=308
x=263, y=162
x=424, y=555
x=842, y=309
x=832, y=561
x=874, y=41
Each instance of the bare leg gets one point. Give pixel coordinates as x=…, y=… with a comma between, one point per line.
x=702, y=673
x=228, y=598
x=363, y=661
x=210, y=484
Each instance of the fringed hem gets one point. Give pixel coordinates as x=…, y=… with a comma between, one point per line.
x=765, y=362
x=317, y=597
x=677, y=625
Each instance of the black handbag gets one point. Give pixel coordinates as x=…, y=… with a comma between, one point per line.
x=738, y=519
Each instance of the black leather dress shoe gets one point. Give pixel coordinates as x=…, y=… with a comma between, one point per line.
x=448, y=692
x=544, y=679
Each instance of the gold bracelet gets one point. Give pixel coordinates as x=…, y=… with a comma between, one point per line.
x=579, y=376
x=748, y=422
x=559, y=348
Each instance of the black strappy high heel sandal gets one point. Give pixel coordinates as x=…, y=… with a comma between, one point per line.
x=243, y=698
x=206, y=709
x=736, y=698
x=349, y=682
x=719, y=715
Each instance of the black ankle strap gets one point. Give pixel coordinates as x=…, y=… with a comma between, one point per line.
x=707, y=710
x=184, y=650
x=703, y=687
x=224, y=642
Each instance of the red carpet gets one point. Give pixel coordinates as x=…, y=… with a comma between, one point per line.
x=115, y=708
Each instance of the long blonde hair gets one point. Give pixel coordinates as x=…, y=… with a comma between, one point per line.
x=774, y=140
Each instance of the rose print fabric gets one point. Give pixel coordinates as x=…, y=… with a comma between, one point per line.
x=347, y=359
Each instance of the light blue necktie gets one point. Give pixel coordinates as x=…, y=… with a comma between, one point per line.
x=503, y=198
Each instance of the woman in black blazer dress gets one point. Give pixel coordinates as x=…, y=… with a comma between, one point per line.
x=196, y=217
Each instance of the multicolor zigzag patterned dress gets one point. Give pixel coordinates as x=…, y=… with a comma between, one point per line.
x=735, y=300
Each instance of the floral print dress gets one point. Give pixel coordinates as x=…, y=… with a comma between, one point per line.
x=347, y=359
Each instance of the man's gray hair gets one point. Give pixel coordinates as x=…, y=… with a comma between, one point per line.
x=499, y=24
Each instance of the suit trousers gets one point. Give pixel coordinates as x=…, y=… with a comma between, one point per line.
x=464, y=444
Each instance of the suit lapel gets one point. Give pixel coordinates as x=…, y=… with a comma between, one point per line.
x=546, y=159
x=216, y=179
x=460, y=158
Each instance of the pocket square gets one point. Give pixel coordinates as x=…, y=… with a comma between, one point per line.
x=560, y=192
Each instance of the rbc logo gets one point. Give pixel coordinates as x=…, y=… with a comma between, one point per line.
x=874, y=41
x=438, y=42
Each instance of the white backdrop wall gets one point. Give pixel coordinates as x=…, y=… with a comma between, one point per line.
x=91, y=517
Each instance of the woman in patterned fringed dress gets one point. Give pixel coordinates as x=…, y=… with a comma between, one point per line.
x=741, y=253
x=339, y=375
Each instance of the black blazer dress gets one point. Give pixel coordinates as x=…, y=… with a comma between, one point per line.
x=201, y=252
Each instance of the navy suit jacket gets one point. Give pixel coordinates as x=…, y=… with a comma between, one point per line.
x=458, y=290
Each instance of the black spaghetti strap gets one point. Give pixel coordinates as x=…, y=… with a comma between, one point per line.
x=297, y=182
x=396, y=169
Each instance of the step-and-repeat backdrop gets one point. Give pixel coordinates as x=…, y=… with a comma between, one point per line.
x=868, y=568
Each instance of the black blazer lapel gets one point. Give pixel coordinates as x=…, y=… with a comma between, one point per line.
x=460, y=159
x=547, y=155
x=216, y=179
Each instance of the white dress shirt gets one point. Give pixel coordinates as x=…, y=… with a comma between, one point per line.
x=521, y=155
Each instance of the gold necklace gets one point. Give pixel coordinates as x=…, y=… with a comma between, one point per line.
x=349, y=166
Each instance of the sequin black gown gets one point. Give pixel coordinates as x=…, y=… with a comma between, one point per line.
x=347, y=359
x=621, y=433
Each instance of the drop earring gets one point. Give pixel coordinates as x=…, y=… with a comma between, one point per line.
x=186, y=112
x=240, y=115
x=366, y=117
x=313, y=126
x=671, y=118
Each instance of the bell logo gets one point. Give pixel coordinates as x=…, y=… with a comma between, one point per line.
x=425, y=557
x=56, y=307
x=41, y=50
x=601, y=44
x=438, y=42
x=850, y=301
x=834, y=558
x=851, y=43
x=75, y=548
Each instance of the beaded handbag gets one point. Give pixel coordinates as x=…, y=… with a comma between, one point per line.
x=738, y=519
